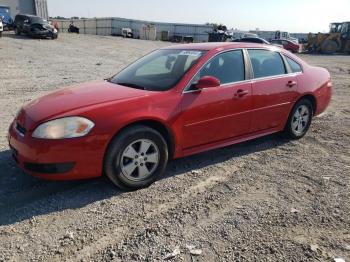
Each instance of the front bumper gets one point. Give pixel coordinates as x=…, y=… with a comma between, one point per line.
x=43, y=34
x=64, y=159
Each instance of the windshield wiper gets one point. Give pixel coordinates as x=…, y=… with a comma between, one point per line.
x=132, y=85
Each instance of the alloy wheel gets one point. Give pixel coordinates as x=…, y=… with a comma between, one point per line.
x=140, y=159
x=300, y=119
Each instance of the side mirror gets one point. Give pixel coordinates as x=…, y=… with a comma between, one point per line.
x=207, y=82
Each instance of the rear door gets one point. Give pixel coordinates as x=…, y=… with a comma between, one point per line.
x=273, y=89
x=219, y=113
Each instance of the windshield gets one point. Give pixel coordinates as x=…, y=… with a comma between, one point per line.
x=159, y=70
x=37, y=20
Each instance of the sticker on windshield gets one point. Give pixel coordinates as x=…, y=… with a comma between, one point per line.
x=191, y=53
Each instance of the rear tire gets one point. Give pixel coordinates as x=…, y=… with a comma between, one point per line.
x=299, y=119
x=136, y=158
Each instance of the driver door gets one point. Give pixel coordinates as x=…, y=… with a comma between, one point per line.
x=215, y=114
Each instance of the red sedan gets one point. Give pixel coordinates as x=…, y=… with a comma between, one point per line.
x=172, y=103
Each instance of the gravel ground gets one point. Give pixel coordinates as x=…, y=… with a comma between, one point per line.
x=266, y=200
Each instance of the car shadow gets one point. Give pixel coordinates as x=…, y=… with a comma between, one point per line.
x=212, y=157
x=22, y=37
x=24, y=197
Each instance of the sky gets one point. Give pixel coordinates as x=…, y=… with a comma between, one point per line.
x=292, y=16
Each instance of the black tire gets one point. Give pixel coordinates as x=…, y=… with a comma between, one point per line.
x=329, y=47
x=0, y=34
x=293, y=133
x=113, y=158
x=17, y=31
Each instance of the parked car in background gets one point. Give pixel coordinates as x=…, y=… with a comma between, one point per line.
x=287, y=44
x=173, y=102
x=34, y=26
x=250, y=35
x=7, y=20
x=257, y=40
x=1, y=27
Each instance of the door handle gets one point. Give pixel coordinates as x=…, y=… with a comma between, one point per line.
x=291, y=83
x=241, y=93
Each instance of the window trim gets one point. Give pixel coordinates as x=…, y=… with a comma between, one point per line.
x=291, y=71
x=247, y=72
x=287, y=72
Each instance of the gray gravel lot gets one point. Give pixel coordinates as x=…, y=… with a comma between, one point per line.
x=266, y=200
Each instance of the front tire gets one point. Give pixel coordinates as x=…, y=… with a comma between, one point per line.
x=136, y=158
x=17, y=31
x=299, y=119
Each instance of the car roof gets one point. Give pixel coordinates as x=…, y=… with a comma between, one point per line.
x=220, y=46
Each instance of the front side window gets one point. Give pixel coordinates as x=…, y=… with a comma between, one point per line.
x=228, y=67
x=158, y=71
x=294, y=65
x=266, y=63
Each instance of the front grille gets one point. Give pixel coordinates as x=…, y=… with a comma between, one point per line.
x=20, y=129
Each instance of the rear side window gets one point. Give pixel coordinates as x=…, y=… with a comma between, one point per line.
x=228, y=67
x=266, y=63
x=294, y=65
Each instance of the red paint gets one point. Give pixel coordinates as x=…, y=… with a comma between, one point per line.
x=198, y=121
x=208, y=81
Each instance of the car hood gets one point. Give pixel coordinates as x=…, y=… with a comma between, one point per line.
x=74, y=98
x=42, y=26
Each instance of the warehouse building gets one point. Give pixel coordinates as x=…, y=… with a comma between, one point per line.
x=31, y=7
x=147, y=30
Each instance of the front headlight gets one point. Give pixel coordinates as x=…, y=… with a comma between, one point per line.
x=67, y=127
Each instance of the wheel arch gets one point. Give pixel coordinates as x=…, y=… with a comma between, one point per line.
x=312, y=99
x=157, y=125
